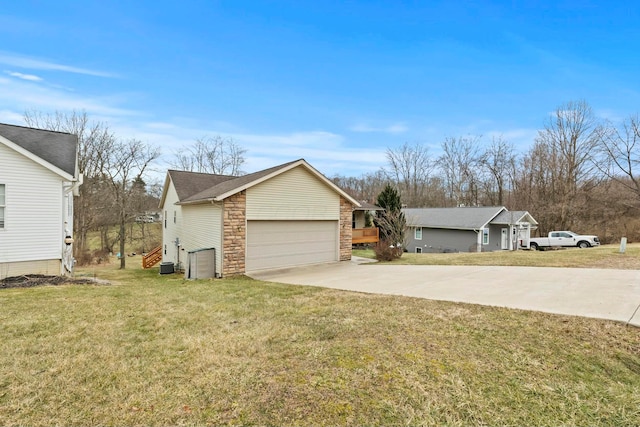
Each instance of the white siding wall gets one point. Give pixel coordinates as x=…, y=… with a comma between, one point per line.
x=293, y=195
x=203, y=230
x=171, y=229
x=34, y=210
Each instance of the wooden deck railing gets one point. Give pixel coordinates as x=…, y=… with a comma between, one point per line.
x=152, y=258
x=365, y=235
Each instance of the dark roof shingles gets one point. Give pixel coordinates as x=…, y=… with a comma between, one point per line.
x=57, y=148
x=469, y=218
x=227, y=183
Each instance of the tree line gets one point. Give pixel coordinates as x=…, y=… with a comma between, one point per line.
x=580, y=173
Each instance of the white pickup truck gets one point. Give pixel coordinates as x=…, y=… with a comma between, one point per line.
x=558, y=239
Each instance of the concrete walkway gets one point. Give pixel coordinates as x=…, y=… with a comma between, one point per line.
x=599, y=293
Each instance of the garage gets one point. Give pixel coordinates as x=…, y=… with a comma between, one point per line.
x=278, y=244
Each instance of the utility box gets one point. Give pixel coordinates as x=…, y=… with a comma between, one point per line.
x=201, y=264
x=166, y=268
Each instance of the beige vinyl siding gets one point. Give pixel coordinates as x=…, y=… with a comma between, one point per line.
x=172, y=230
x=33, y=213
x=49, y=267
x=203, y=230
x=293, y=195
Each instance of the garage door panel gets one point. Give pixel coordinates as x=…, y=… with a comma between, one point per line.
x=275, y=244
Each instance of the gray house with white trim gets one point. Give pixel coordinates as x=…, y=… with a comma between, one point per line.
x=467, y=229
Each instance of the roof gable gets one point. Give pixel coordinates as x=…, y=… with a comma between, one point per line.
x=468, y=218
x=222, y=186
x=514, y=217
x=55, y=150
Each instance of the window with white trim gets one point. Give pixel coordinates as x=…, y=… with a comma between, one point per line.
x=418, y=233
x=3, y=201
x=485, y=236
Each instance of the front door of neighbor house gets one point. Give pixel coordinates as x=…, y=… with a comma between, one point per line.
x=505, y=239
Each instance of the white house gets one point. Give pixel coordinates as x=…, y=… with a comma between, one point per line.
x=38, y=176
x=288, y=215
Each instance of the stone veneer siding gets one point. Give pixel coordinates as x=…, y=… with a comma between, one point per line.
x=235, y=234
x=346, y=215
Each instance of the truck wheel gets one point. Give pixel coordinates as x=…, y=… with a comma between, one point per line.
x=533, y=246
x=583, y=244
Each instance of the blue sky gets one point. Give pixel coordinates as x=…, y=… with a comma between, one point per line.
x=334, y=82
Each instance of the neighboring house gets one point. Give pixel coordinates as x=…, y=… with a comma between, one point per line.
x=38, y=178
x=288, y=215
x=468, y=229
x=361, y=233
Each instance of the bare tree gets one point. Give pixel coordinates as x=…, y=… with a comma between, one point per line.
x=619, y=154
x=366, y=188
x=95, y=141
x=571, y=135
x=217, y=155
x=459, y=164
x=499, y=160
x=123, y=170
x=410, y=166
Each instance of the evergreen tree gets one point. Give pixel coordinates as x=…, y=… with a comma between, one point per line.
x=391, y=221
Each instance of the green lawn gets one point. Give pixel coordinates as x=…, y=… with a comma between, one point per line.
x=158, y=350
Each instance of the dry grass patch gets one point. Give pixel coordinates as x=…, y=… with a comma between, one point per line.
x=157, y=350
x=606, y=256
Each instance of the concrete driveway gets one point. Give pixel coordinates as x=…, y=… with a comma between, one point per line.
x=599, y=293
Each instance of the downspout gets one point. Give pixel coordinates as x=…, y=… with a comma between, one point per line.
x=67, y=237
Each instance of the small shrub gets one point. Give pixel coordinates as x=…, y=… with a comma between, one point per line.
x=84, y=258
x=386, y=251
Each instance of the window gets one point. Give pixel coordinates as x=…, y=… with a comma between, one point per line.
x=485, y=236
x=2, y=204
x=418, y=233
x=418, y=250
x=165, y=219
x=174, y=216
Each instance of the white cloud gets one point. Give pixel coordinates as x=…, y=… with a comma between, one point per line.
x=324, y=150
x=395, y=128
x=20, y=61
x=13, y=117
x=25, y=95
x=22, y=76
x=295, y=139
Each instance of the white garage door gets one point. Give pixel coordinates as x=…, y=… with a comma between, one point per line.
x=275, y=244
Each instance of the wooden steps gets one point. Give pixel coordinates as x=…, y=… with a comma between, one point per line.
x=152, y=258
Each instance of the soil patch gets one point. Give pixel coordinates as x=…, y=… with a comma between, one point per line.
x=32, y=280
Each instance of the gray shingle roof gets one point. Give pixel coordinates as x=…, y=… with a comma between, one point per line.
x=366, y=206
x=226, y=184
x=56, y=148
x=188, y=184
x=471, y=218
x=513, y=217
x=194, y=187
